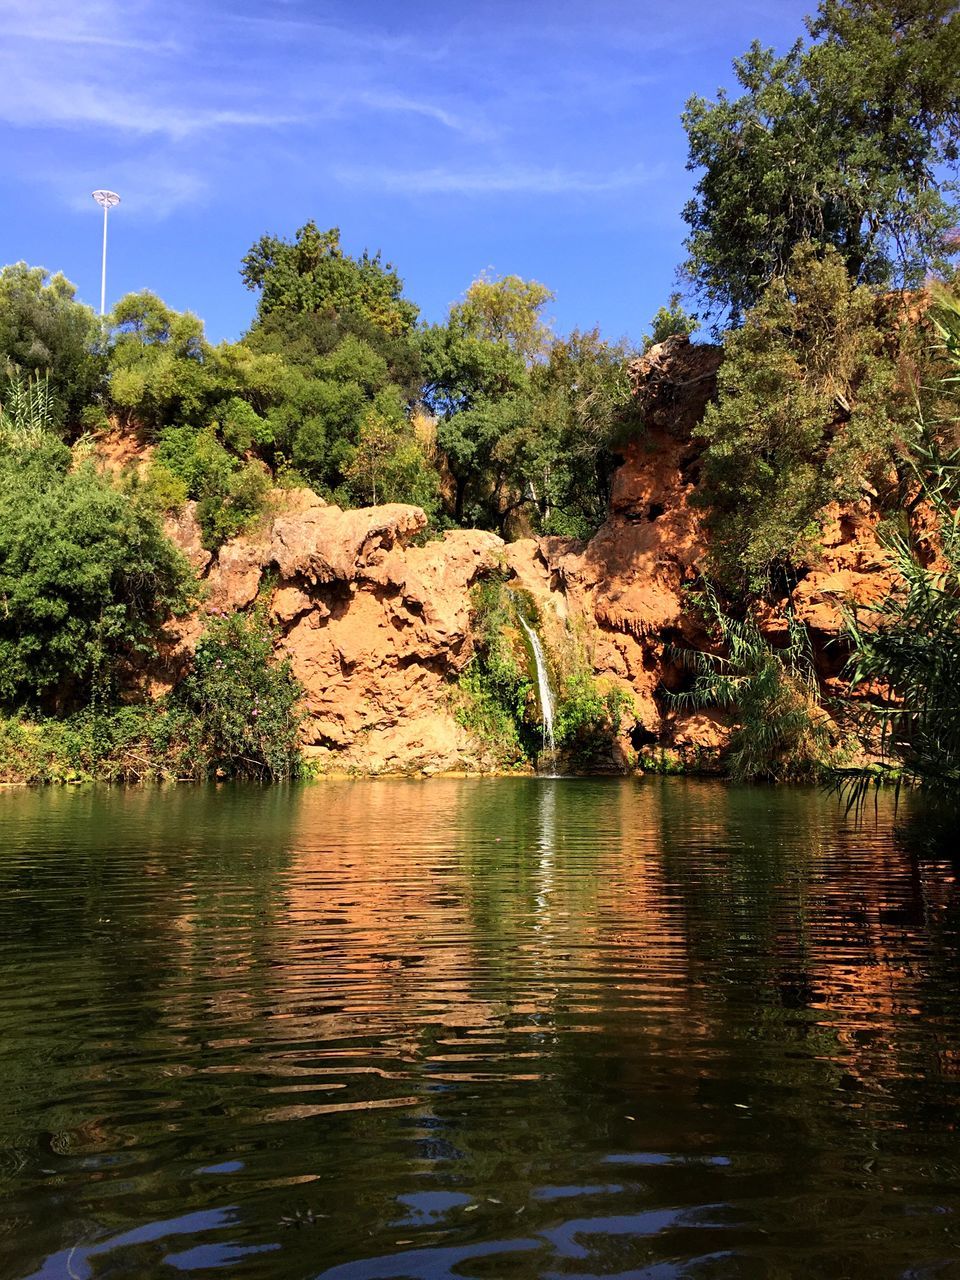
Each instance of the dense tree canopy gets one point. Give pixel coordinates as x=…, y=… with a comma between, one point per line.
x=842, y=141
x=314, y=275
x=817, y=402
x=525, y=418
x=44, y=330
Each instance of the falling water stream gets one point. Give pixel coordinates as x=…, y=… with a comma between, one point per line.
x=543, y=686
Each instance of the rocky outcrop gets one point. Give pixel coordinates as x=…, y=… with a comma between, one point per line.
x=376, y=629
x=376, y=620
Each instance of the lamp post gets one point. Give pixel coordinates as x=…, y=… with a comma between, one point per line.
x=106, y=200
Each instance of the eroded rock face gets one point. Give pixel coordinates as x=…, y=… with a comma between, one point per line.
x=377, y=628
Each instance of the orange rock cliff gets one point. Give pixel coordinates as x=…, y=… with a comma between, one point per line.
x=377, y=625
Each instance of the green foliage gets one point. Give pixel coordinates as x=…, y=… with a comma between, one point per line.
x=314, y=275
x=138, y=743
x=236, y=508
x=230, y=494
x=389, y=464
x=670, y=320
x=235, y=716
x=524, y=420
x=840, y=141
x=26, y=411
x=561, y=457
x=45, y=331
x=906, y=646
x=505, y=311
x=158, y=363
x=815, y=403
x=495, y=691
x=346, y=334
x=245, y=704
x=587, y=716
x=242, y=427
x=780, y=734
x=86, y=576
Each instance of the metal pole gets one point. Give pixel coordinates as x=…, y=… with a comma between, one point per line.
x=103, y=271
x=106, y=200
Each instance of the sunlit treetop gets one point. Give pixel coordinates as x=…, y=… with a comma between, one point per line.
x=314, y=275
x=847, y=140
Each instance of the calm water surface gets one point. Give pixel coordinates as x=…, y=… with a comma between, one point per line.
x=510, y=1029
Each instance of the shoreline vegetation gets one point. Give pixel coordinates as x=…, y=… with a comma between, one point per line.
x=821, y=242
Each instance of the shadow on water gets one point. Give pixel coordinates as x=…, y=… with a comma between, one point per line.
x=512, y=1028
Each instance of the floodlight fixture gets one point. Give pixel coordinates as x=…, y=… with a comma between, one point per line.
x=106, y=200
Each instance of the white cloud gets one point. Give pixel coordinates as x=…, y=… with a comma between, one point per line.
x=522, y=180
x=402, y=103
x=79, y=104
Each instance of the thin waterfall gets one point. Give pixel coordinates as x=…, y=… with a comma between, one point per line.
x=543, y=685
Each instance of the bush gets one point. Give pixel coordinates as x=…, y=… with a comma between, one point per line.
x=86, y=577
x=245, y=704
x=230, y=494
x=234, y=716
x=587, y=716
x=781, y=732
x=495, y=690
x=222, y=516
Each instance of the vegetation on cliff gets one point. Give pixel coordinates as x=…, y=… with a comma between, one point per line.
x=497, y=698
x=817, y=403
x=821, y=207
x=906, y=646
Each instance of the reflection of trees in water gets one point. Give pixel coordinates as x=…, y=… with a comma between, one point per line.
x=827, y=960
x=139, y=915
x=365, y=990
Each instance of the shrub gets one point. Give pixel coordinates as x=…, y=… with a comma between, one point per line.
x=222, y=516
x=241, y=426
x=245, y=703
x=230, y=494
x=86, y=577
x=588, y=716
x=781, y=732
x=495, y=689
x=234, y=716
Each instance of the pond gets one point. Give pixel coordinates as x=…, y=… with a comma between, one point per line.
x=477, y=1028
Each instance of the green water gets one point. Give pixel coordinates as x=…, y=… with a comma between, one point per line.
x=526, y=1028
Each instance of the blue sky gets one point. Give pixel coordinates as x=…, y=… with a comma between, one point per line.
x=524, y=136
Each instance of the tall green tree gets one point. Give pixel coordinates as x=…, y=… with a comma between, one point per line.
x=844, y=141
x=816, y=402
x=157, y=363
x=508, y=310
x=476, y=388
x=313, y=275
x=86, y=576
x=567, y=445
x=45, y=330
